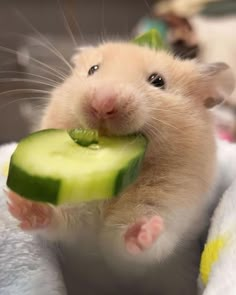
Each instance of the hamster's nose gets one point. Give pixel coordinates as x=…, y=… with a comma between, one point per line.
x=104, y=104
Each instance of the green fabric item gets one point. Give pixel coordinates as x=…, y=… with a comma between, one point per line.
x=151, y=38
x=160, y=26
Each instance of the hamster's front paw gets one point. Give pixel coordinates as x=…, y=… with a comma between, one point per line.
x=32, y=215
x=142, y=234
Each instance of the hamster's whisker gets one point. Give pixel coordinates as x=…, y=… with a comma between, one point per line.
x=47, y=44
x=148, y=6
x=149, y=131
x=162, y=110
x=166, y=124
x=7, y=80
x=30, y=74
x=154, y=132
x=67, y=25
x=59, y=74
x=52, y=49
x=78, y=28
x=153, y=136
x=103, y=30
x=22, y=99
x=25, y=91
x=183, y=55
x=61, y=79
x=158, y=134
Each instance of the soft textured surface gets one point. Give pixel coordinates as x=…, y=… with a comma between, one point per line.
x=218, y=266
x=27, y=266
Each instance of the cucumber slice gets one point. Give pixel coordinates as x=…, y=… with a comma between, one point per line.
x=84, y=137
x=49, y=166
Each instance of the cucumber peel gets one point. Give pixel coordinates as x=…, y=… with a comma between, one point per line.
x=50, y=166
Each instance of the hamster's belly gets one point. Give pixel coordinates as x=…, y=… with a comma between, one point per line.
x=88, y=271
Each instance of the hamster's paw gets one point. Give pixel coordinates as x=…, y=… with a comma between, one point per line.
x=32, y=215
x=142, y=234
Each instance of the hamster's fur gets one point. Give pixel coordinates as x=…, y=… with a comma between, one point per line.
x=178, y=169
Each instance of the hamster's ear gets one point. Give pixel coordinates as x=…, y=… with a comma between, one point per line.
x=78, y=52
x=219, y=83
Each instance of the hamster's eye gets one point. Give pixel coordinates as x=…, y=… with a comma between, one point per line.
x=93, y=69
x=156, y=80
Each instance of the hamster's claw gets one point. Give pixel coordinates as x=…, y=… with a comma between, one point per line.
x=142, y=234
x=32, y=215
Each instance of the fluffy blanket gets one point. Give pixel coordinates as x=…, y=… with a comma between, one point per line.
x=218, y=262
x=28, y=266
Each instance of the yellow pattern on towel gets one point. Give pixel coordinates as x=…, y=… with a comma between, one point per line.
x=210, y=255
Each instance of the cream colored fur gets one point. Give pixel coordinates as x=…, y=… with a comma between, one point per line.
x=179, y=167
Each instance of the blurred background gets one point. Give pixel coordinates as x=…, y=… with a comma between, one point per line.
x=37, y=38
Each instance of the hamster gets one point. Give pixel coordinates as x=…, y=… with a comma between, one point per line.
x=148, y=235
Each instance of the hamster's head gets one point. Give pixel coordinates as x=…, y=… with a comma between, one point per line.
x=122, y=88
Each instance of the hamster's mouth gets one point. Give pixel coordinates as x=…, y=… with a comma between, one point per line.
x=119, y=125
x=104, y=130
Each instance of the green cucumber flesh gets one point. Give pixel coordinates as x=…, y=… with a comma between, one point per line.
x=49, y=166
x=84, y=137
